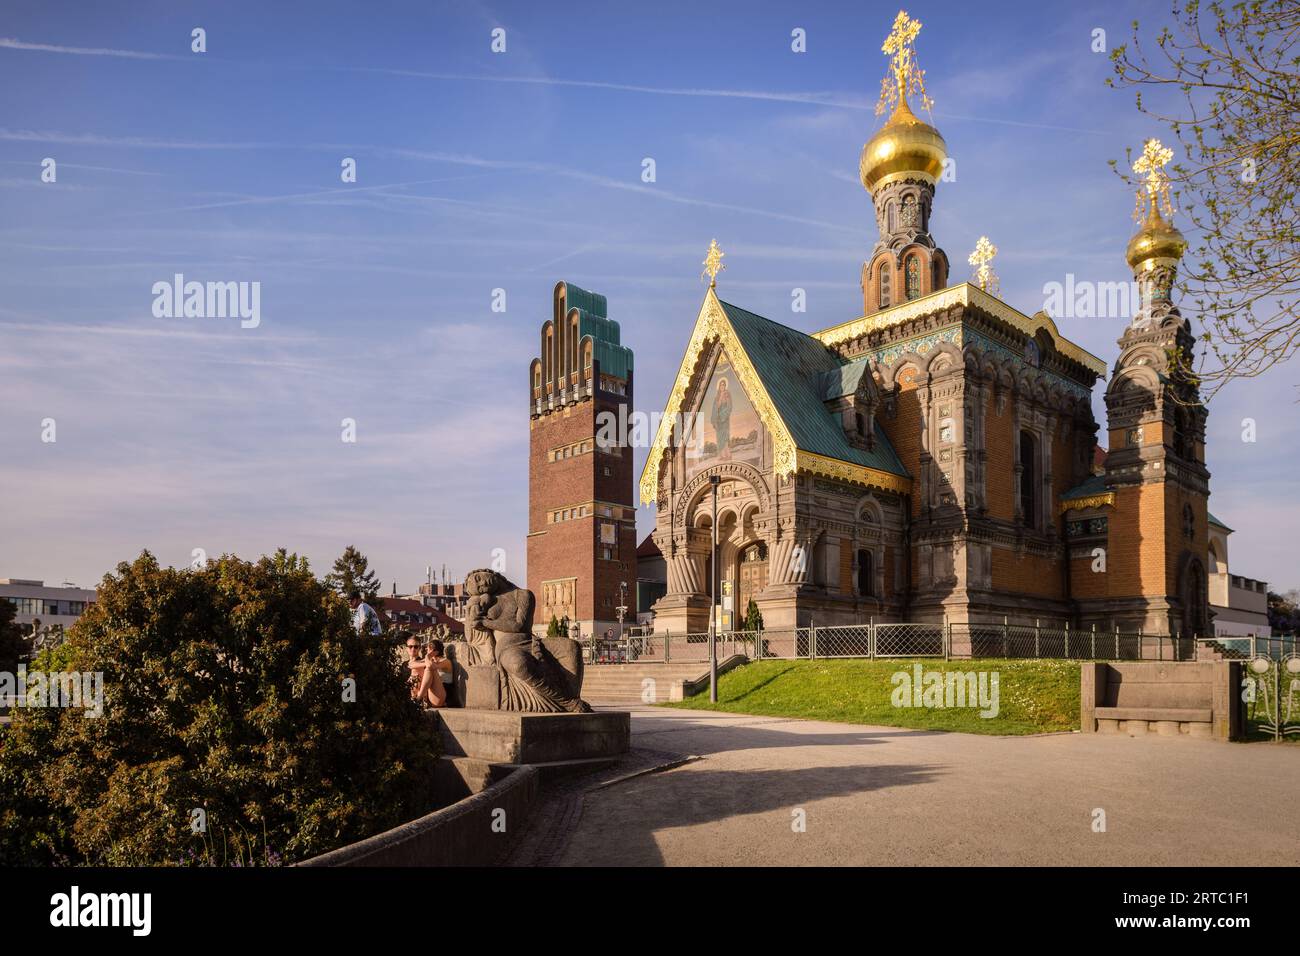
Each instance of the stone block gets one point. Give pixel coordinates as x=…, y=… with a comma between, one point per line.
x=1105, y=726
x=510, y=737
x=1136, y=728
x=1167, y=728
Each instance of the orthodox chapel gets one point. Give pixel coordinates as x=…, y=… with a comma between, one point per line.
x=935, y=458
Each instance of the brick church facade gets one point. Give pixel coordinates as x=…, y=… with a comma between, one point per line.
x=937, y=457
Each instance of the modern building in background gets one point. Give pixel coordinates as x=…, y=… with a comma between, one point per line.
x=48, y=605
x=1239, y=604
x=651, y=579
x=581, y=512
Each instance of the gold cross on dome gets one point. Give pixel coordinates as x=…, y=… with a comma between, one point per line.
x=1151, y=165
x=713, y=263
x=904, y=75
x=982, y=259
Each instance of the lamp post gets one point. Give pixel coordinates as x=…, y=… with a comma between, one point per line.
x=714, y=480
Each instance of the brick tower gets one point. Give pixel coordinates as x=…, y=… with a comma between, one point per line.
x=1156, y=465
x=581, y=512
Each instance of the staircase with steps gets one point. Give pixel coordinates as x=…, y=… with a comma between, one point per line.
x=626, y=683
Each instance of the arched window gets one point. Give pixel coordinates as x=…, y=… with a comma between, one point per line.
x=866, y=573
x=1189, y=523
x=884, y=285
x=1029, y=471
x=821, y=560
x=913, y=277
x=910, y=219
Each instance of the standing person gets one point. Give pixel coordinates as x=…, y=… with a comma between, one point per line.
x=364, y=618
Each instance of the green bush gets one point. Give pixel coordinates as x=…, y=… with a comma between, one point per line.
x=227, y=691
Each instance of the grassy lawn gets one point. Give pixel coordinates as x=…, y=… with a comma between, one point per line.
x=1034, y=696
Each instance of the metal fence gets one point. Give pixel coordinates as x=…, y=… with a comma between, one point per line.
x=1247, y=648
x=890, y=640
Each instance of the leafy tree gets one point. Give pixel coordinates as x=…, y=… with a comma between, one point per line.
x=753, y=617
x=352, y=572
x=239, y=689
x=553, y=628
x=1226, y=80
x=1284, y=612
x=13, y=645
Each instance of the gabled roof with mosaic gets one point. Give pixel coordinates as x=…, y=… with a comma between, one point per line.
x=784, y=372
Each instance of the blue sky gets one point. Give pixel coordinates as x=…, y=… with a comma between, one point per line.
x=479, y=171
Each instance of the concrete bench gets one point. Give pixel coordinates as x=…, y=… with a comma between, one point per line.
x=1169, y=698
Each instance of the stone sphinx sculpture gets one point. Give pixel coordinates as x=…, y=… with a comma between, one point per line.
x=501, y=665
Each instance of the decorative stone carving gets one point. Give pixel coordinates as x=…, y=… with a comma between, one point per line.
x=529, y=674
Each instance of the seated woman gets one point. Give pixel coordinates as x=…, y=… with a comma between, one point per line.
x=416, y=663
x=436, y=677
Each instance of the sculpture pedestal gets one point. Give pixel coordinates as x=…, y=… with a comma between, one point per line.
x=550, y=741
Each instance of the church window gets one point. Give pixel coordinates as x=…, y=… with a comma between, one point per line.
x=821, y=559
x=1029, y=470
x=866, y=573
x=862, y=423
x=1189, y=523
x=913, y=277
x=909, y=213
x=884, y=285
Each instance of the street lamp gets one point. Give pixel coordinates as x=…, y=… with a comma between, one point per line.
x=714, y=480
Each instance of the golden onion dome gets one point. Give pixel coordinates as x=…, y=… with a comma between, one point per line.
x=1157, y=239
x=904, y=148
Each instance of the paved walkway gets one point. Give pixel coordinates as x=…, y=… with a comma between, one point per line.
x=879, y=796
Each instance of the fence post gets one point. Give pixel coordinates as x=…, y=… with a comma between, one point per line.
x=1117, y=640
x=1067, y=640
x=812, y=641
x=1094, y=641
x=871, y=637
x=1142, y=651
x=945, y=637
x=1036, y=632
x=1004, y=635
x=668, y=639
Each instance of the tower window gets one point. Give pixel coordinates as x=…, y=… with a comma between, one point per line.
x=1189, y=523
x=913, y=277
x=884, y=285
x=1029, y=470
x=909, y=213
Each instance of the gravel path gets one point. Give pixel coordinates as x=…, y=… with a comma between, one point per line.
x=889, y=796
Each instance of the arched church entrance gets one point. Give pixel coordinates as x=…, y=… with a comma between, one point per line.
x=751, y=577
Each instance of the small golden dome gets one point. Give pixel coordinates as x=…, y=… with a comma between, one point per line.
x=1157, y=239
x=904, y=148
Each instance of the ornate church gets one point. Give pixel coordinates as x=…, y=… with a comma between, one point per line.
x=937, y=457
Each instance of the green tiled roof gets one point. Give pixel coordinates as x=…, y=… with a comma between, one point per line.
x=844, y=380
x=1093, y=485
x=1214, y=520
x=614, y=358
x=797, y=370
